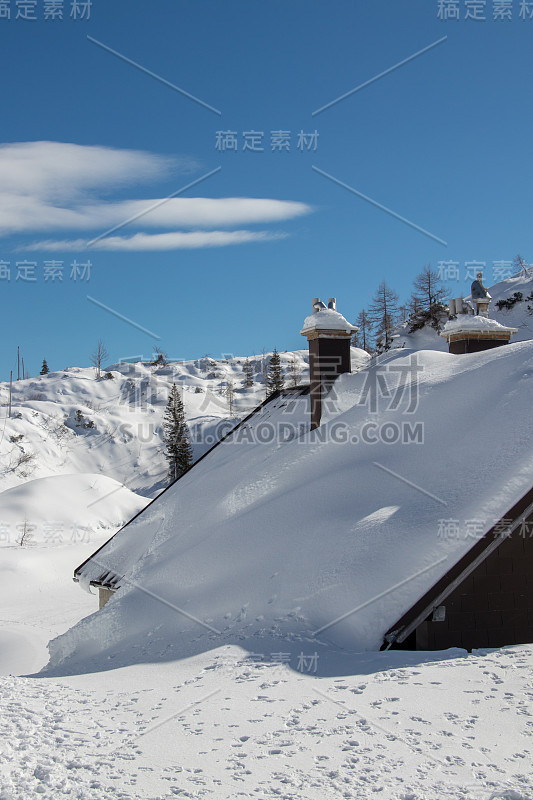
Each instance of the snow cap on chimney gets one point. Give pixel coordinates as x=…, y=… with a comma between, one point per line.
x=324, y=321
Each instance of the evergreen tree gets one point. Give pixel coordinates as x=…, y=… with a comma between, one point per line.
x=274, y=378
x=230, y=395
x=248, y=372
x=44, y=368
x=295, y=374
x=382, y=313
x=363, y=337
x=177, y=441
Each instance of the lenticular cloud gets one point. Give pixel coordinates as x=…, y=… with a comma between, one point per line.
x=55, y=186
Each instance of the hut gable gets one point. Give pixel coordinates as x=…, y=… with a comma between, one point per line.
x=485, y=599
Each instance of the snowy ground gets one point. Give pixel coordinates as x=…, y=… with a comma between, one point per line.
x=39, y=600
x=408, y=726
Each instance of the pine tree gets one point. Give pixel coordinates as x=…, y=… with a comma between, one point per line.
x=363, y=337
x=382, y=314
x=295, y=374
x=248, y=372
x=274, y=378
x=230, y=395
x=44, y=368
x=177, y=441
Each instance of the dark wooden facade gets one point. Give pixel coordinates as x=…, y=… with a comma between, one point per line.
x=485, y=600
x=461, y=346
x=493, y=607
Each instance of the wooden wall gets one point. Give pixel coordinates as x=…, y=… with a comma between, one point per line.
x=493, y=607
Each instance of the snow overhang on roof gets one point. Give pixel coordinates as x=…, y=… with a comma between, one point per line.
x=327, y=321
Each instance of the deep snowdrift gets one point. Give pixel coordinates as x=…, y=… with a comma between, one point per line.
x=280, y=540
x=64, y=506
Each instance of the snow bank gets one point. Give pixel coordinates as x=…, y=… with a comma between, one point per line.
x=395, y=725
x=58, y=508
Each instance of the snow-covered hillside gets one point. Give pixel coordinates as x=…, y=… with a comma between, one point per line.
x=52, y=509
x=69, y=422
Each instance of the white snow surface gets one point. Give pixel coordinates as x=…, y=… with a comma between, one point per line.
x=396, y=725
x=228, y=724
x=469, y=322
x=327, y=319
x=322, y=538
x=49, y=509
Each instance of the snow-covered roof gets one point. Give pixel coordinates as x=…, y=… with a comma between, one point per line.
x=285, y=416
x=327, y=319
x=327, y=536
x=467, y=323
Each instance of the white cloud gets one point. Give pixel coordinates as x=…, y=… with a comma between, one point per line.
x=54, y=186
x=60, y=170
x=28, y=214
x=160, y=241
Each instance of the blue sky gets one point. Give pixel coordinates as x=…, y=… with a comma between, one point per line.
x=442, y=141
